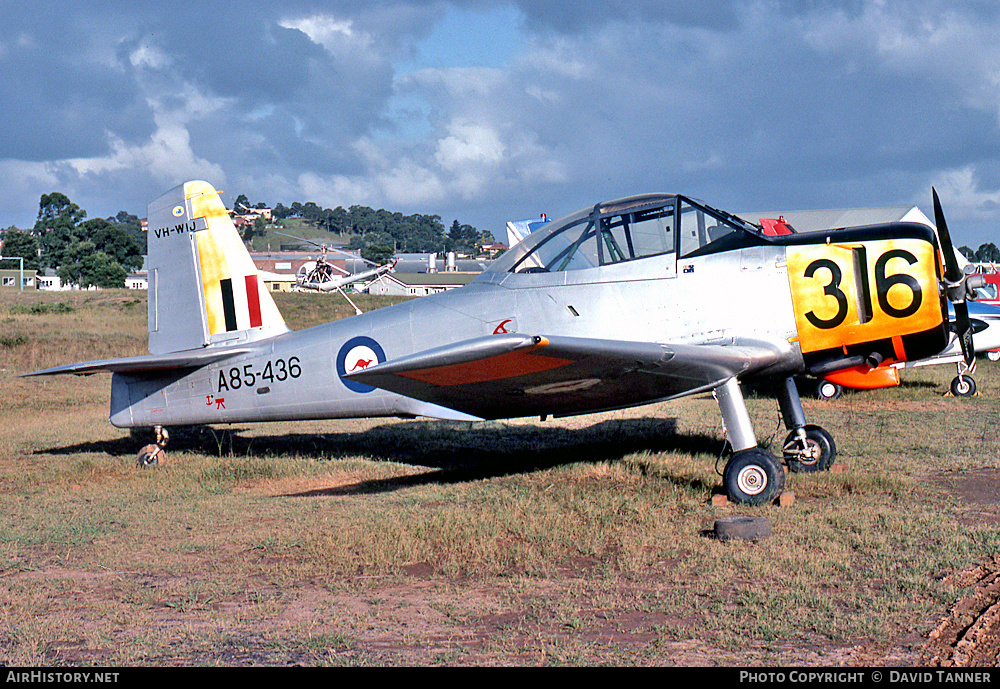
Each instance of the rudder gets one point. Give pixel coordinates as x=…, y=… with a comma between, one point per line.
x=204, y=289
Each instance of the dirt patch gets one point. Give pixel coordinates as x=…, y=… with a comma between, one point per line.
x=968, y=635
x=979, y=490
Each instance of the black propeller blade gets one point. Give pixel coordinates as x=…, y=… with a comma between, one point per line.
x=955, y=280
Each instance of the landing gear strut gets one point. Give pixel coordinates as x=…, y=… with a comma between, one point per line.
x=153, y=455
x=752, y=476
x=807, y=447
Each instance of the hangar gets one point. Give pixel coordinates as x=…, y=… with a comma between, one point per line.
x=809, y=221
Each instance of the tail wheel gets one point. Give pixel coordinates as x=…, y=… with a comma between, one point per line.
x=150, y=456
x=753, y=477
x=815, y=451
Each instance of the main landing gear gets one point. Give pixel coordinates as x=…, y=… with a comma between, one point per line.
x=753, y=476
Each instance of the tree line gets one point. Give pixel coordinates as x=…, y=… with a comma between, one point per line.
x=98, y=252
x=102, y=251
x=381, y=233
x=986, y=253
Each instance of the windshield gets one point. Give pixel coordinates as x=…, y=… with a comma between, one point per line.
x=987, y=291
x=620, y=231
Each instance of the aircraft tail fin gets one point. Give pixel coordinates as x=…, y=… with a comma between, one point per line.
x=204, y=290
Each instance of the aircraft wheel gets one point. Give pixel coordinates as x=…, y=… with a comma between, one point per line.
x=150, y=456
x=827, y=390
x=753, y=477
x=818, y=454
x=993, y=355
x=963, y=386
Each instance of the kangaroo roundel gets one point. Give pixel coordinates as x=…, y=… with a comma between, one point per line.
x=357, y=354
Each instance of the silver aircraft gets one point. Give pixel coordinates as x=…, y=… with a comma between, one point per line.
x=624, y=303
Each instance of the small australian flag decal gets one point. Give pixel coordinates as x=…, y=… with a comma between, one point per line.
x=688, y=269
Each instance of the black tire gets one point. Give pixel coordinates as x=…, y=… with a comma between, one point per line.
x=753, y=477
x=821, y=451
x=745, y=528
x=828, y=390
x=963, y=386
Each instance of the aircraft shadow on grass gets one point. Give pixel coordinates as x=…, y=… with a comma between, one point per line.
x=918, y=385
x=459, y=451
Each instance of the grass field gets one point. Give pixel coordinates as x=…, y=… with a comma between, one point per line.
x=297, y=228
x=579, y=541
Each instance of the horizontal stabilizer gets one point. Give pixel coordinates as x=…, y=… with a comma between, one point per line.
x=504, y=376
x=143, y=364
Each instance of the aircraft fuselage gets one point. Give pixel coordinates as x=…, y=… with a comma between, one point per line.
x=298, y=375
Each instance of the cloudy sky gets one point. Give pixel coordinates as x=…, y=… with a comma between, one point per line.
x=492, y=111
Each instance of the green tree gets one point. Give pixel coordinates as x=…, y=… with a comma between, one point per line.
x=87, y=266
x=56, y=209
x=70, y=269
x=114, y=240
x=988, y=253
x=259, y=226
x=377, y=253
x=280, y=212
x=133, y=225
x=101, y=270
x=19, y=243
x=56, y=227
x=464, y=239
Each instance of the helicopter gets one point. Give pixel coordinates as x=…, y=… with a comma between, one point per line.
x=320, y=275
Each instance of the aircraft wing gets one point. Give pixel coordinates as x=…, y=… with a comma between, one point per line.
x=142, y=364
x=503, y=376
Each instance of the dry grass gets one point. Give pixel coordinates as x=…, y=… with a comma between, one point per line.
x=574, y=541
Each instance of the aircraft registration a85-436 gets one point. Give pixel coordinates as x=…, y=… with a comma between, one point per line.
x=624, y=303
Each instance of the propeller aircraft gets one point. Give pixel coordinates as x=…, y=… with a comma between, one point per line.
x=620, y=304
x=985, y=320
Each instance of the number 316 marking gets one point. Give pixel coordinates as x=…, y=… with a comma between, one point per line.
x=883, y=283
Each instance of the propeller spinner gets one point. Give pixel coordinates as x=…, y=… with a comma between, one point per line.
x=959, y=286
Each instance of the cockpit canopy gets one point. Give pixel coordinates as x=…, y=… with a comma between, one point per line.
x=626, y=230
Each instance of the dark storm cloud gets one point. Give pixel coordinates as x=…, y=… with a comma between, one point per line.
x=805, y=104
x=58, y=102
x=68, y=71
x=777, y=103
